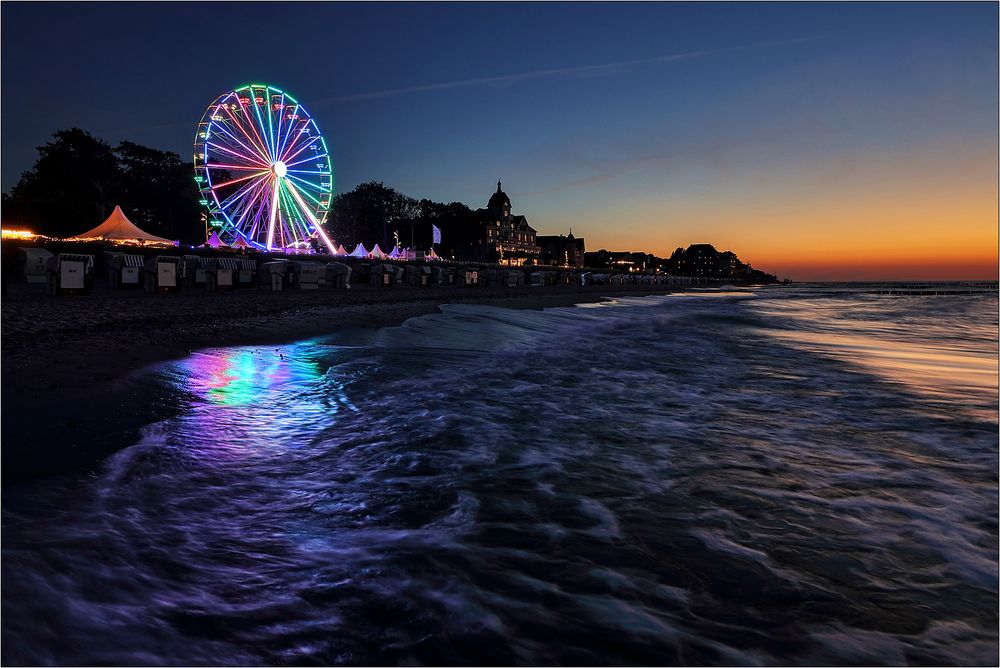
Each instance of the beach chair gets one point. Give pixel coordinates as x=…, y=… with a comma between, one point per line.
x=383, y=276
x=193, y=271
x=338, y=276
x=466, y=277
x=124, y=269
x=308, y=274
x=418, y=277
x=161, y=273
x=443, y=276
x=70, y=274
x=273, y=276
x=221, y=273
x=246, y=274
x=32, y=263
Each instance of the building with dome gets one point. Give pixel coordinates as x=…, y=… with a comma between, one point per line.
x=502, y=237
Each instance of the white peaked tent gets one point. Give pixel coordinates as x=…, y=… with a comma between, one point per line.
x=395, y=252
x=340, y=250
x=431, y=255
x=119, y=228
x=360, y=251
x=214, y=241
x=378, y=252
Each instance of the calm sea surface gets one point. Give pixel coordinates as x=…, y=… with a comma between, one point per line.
x=782, y=475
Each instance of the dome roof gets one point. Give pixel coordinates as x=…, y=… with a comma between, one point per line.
x=498, y=199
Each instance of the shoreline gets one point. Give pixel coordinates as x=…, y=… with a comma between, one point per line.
x=69, y=363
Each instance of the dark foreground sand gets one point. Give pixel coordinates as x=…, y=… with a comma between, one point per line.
x=65, y=359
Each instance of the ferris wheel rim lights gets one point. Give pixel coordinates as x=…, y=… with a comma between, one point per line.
x=253, y=168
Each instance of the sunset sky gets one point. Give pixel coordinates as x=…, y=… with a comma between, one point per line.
x=817, y=141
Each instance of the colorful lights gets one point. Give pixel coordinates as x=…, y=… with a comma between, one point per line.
x=247, y=148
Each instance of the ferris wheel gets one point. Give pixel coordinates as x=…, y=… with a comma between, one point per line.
x=263, y=169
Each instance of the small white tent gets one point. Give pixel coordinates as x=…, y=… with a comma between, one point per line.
x=395, y=252
x=360, y=251
x=378, y=252
x=119, y=228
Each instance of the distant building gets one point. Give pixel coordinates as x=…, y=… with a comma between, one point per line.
x=500, y=237
x=704, y=261
x=618, y=261
x=562, y=251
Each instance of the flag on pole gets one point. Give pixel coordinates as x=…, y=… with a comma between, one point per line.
x=437, y=234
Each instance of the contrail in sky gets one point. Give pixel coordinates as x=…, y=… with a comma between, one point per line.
x=603, y=68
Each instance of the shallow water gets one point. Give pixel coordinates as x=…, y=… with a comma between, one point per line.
x=782, y=475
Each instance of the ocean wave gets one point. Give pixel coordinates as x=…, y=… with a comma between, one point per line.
x=657, y=480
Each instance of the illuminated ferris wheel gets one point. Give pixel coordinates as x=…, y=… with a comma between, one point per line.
x=263, y=169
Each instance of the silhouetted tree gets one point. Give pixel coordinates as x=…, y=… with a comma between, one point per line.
x=79, y=179
x=370, y=214
x=73, y=186
x=159, y=193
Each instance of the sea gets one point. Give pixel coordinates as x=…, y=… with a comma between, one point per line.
x=791, y=475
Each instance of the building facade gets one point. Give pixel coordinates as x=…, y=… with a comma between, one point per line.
x=627, y=262
x=561, y=251
x=504, y=238
x=703, y=260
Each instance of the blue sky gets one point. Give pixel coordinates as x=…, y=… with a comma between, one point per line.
x=636, y=124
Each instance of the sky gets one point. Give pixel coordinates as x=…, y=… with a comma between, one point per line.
x=819, y=141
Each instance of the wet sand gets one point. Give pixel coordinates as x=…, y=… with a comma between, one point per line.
x=66, y=360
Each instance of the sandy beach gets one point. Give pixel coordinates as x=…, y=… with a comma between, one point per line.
x=75, y=353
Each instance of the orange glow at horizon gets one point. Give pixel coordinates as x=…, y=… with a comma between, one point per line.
x=926, y=212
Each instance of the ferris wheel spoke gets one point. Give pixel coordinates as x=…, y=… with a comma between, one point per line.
x=234, y=127
x=289, y=134
x=297, y=137
x=288, y=130
x=260, y=124
x=303, y=171
x=260, y=140
x=281, y=116
x=288, y=152
x=302, y=221
x=274, y=212
x=270, y=121
x=250, y=151
x=306, y=192
x=217, y=165
x=312, y=219
x=245, y=208
x=258, y=149
x=305, y=160
x=242, y=192
x=239, y=155
x=292, y=220
x=242, y=178
x=259, y=206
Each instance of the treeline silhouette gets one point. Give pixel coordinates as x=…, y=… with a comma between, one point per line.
x=78, y=179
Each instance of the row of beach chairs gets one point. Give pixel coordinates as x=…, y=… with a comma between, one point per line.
x=74, y=273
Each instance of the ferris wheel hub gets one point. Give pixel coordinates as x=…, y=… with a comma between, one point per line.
x=279, y=169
